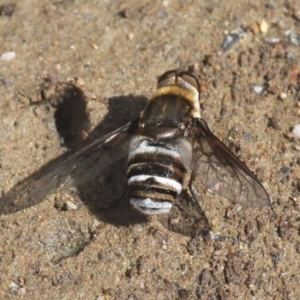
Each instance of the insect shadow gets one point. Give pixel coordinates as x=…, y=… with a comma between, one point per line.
x=72, y=120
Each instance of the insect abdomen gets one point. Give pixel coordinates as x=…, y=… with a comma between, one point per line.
x=155, y=176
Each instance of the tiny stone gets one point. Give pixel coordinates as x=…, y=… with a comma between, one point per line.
x=131, y=36
x=269, y=6
x=264, y=26
x=13, y=286
x=139, y=228
x=272, y=40
x=283, y=95
x=232, y=38
x=287, y=32
x=162, y=14
x=71, y=206
x=80, y=82
x=258, y=89
x=7, y=9
x=6, y=82
x=296, y=132
x=291, y=55
x=295, y=39
x=254, y=28
x=8, y=56
x=23, y=291
x=96, y=223
x=297, y=147
x=57, y=66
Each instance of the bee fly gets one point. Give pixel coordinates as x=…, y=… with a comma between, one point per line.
x=166, y=148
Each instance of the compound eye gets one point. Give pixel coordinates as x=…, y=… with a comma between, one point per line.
x=166, y=75
x=190, y=79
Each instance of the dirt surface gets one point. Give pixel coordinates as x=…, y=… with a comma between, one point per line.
x=84, y=68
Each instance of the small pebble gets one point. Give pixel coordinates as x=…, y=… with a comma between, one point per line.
x=248, y=136
x=264, y=26
x=8, y=56
x=287, y=32
x=291, y=55
x=232, y=38
x=296, y=15
x=296, y=132
x=254, y=28
x=131, y=36
x=7, y=9
x=71, y=206
x=57, y=67
x=285, y=170
x=295, y=39
x=272, y=40
x=13, y=286
x=6, y=82
x=296, y=147
x=23, y=291
x=269, y=6
x=80, y=82
x=96, y=223
x=258, y=89
x=162, y=14
x=283, y=96
x=138, y=228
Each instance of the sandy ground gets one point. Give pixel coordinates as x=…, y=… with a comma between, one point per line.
x=83, y=69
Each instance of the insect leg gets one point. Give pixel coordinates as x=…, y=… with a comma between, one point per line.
x=201, y=224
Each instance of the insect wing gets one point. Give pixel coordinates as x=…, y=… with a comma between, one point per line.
x=86, y=164
x=221, y=171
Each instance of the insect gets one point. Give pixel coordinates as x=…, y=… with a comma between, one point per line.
x=166, y=148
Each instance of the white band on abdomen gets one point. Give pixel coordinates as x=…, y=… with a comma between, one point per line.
x=150, y=207
x=162, y=180
x=143, y=147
